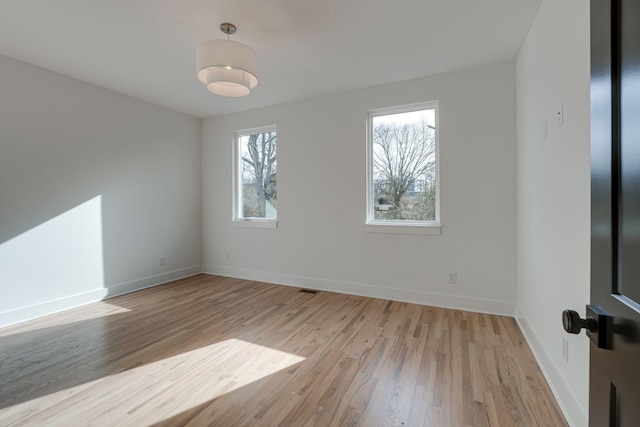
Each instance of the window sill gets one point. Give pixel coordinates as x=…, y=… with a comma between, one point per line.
x=404, y=228
x=255, y=223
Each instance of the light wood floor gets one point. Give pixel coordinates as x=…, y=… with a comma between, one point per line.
x=226, y=352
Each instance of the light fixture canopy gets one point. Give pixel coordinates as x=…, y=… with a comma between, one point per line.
x=227, y=68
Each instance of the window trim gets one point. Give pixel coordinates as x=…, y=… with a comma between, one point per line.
x=400, y=226
x=237, y=218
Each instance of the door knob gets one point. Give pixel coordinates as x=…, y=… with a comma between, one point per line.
x=598, y=323
x=573, y=324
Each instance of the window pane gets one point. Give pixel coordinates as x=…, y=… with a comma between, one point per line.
x=258, y=170
x=404, y=166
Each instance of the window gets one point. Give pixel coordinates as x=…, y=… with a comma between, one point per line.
x=255, y=184
x=402, y=166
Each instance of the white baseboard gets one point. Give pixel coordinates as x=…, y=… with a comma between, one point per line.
x=574, y=413
x=150, y=281
x=503, y=308
x=54, y=306
x=49, y=307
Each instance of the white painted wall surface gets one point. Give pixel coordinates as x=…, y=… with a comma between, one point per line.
x=94, y=187
x=321, y=240
x=553, y=195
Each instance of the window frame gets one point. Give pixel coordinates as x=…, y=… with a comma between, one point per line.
x=400, y=226
x=238, y=219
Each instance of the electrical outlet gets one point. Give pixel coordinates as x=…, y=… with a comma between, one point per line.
x=162, y=260
x=565, y=349
x=453, y=277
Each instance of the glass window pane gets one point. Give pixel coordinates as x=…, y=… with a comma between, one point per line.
x=257, y=163
x=403, y=147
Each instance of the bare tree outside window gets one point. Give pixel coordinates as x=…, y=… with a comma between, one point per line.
x=403, y=166
x=258, y=174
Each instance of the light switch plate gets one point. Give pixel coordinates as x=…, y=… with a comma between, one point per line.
x=560, y=115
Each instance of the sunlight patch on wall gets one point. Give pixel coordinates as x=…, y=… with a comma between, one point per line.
x=157, y=391
x=56, y=259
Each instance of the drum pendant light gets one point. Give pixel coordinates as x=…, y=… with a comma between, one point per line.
x=227, y=68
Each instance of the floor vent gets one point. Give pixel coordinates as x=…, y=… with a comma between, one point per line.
x=308, y=291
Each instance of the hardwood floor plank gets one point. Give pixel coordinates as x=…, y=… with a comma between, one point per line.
x=211, y=350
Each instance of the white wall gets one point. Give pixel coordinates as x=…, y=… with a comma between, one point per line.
x=553, y=195
x=321, y=241
x=94, y=188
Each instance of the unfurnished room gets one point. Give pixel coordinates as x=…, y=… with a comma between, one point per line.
x=319, y=213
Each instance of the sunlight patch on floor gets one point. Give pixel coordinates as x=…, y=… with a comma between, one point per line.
x=78, y=315
x=156, y=391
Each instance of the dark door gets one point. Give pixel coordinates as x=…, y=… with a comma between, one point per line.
x=614, y=390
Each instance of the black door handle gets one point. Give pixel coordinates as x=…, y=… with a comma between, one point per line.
x=598, y=323
x=573, y=324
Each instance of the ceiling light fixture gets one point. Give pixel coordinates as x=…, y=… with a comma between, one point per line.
x=227, y=68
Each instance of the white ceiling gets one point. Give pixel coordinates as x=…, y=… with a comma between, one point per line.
x=307, y=48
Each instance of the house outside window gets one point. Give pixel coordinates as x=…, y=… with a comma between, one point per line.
x=402, y=165
x=255, y=175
